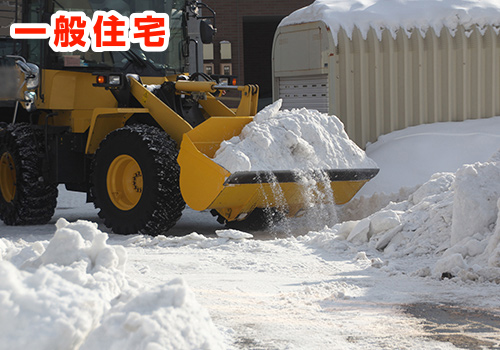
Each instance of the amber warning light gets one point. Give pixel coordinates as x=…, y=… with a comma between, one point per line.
x=101, y=79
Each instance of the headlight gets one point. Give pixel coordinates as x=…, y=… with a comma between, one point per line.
x=114, y=80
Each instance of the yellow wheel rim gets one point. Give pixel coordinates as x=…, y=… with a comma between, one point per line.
x=124, y=182
x=7, y=177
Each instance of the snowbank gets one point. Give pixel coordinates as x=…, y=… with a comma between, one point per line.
x=299, y=139
x=72, y=292
x=452, y=219
x=409, y=157
x=393, y=15
x=165, y=317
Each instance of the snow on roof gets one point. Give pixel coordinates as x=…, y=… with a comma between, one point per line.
x=396, y=14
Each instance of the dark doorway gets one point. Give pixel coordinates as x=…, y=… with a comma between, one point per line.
x=258, y=35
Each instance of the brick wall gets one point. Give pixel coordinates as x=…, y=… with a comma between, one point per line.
x=238, y=20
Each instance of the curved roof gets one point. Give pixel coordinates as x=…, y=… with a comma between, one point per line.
x=394, y=15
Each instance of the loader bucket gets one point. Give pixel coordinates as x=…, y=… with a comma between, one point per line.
x=206, y=185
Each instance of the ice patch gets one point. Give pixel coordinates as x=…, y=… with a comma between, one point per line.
x=360, y=232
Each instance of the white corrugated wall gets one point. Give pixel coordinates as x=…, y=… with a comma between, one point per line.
x=377, y=86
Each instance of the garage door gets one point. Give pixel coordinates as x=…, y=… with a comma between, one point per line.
x=308, y=91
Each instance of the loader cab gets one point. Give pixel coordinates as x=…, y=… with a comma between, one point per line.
x=168, y=62
x=56, y=95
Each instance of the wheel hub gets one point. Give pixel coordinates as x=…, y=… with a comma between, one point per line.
x=124, y=182
x=7, y=177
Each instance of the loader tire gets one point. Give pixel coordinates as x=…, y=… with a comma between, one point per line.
x=136, y=181
x=25, y=199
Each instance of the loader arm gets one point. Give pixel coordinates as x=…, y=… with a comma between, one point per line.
x=174, y=124
x=170, y=122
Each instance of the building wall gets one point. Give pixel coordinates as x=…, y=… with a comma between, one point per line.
x=378, y=85
x=253, y=22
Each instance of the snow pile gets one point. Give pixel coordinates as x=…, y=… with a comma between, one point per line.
x=393, y=15
x=194, y=240
x=409, y=157
x=291, y=140
x=477, y=190
x=165, y=317
x=233, y=234
x=452, y=220
x=53, y=295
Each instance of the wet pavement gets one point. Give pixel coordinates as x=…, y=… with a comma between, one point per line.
x=466, y=328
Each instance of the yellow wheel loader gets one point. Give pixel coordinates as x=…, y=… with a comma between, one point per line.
x=133, y=129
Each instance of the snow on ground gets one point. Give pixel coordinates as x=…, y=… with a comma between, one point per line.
x=349, y=285
x=392, y=15
x=409, y=157
x=452, y=216
x=71, y=293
